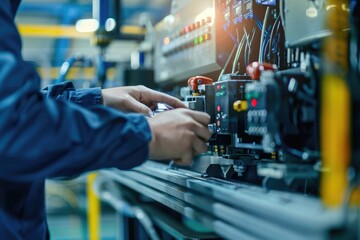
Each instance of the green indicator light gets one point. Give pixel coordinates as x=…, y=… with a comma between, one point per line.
x=218, y=94
x=247, y=95
x=201, y=39
x=196, y=41
x=222, y=93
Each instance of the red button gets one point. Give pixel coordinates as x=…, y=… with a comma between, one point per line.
x=253, y=102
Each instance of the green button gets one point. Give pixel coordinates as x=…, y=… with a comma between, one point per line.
x=201, y=39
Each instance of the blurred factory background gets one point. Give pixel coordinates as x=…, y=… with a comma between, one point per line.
x=50, y=35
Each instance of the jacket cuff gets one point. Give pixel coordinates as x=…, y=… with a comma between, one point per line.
x=87, y=97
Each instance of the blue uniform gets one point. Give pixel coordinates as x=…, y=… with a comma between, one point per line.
x=59, y=131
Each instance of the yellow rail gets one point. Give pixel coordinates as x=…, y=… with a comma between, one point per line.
x=66, y=31
x=335, y=107
x=93, y=209
x=51, y=31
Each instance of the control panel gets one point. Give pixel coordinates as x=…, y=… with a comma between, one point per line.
x=188, y=43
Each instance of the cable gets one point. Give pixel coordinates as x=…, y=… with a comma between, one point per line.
x=281, y=7
x=236, y=58
x=263, y=34
x=227, y=62
x=248, y=49
x=272, y=34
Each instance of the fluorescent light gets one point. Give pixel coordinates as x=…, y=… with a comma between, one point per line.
x=87, y=25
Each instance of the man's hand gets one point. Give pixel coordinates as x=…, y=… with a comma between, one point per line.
x=179, y=135
x=138, y=99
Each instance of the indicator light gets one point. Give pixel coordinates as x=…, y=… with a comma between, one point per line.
x=207, y=36
x=218, y=87
x=201, y=39
x=218, y=108
x=196, y=41
x=166, y=40
x=254, y=102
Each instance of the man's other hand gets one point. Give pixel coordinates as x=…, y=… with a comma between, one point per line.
x=179, y=135
x=138, y=99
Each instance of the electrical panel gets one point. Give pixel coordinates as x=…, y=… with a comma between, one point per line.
x=265, y=102
x=187, y=42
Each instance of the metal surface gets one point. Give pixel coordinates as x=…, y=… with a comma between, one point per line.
x=310, y=14
x=231, y=209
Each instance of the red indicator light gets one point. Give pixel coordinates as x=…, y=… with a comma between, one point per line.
x=218, y=108
x=254, y=102
x=218, y=87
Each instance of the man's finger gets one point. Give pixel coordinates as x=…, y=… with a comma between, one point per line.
x=199, y=146
x=200, y=117
x=159, y=97
x=134, y=106
x=202, y=132
x=186, y=159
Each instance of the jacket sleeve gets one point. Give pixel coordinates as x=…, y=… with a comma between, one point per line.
x=66, y=92
x=41, y=137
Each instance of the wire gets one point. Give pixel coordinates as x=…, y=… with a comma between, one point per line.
x=227, y=62
x=281, y=7
x=263, y=34
x=248, y=49
x=236, y=59
x=272, y=33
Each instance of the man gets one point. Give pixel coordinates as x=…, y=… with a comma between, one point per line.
x=62, y=131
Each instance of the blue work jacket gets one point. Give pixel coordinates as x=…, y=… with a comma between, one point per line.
x=59, y=131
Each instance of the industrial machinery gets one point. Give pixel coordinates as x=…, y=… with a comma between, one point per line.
x=275, y=78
